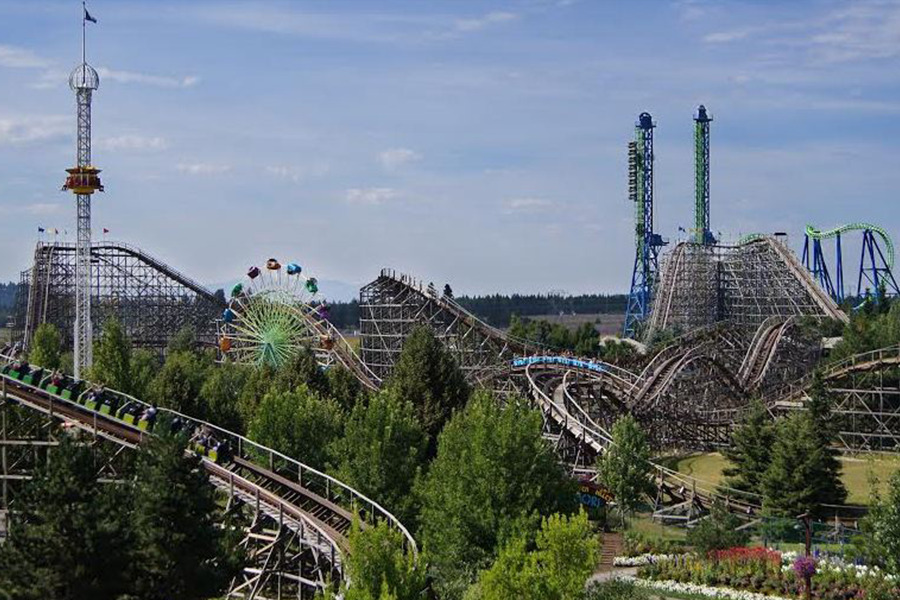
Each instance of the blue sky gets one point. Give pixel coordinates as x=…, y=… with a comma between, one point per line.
x=480, y=143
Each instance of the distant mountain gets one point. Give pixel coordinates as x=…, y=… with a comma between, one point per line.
x=330, y=289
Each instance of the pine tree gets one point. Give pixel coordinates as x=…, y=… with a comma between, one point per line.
x=68, y=538
x=750, y=451
x=46, y=347
x=800, y=476
x=179, y=551
x=428, y=375
x=829, y=487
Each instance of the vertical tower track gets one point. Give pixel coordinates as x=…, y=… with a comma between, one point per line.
x=647, y=242
x=701, y=232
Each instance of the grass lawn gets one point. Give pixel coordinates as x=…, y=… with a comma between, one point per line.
x=857, y=469
x=643, y=523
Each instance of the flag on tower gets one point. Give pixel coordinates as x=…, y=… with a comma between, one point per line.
x=40, y=229
x=105, y=231
x=88, y=17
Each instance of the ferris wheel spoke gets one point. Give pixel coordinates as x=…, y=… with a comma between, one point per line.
x=273, y=318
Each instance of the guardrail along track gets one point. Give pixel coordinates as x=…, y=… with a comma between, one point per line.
x=314, y=509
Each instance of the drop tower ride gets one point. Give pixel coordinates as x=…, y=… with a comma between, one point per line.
x=83, y=180
x=647, y=241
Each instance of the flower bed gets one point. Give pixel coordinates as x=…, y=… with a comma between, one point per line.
x=763, y=571
x=640, y=561
x=713, y=592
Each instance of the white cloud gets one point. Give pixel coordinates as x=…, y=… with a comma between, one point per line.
x=21, y=58
x=157, y=80
x=491, y=18
x=863, y=30
x=370, y=196
x=18, y=130
x=203, y=168
x=298, y=173
x=132, y=142
x=394, y=158
x=526, y=204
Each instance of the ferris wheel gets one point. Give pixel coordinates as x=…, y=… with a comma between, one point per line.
x=273, y=314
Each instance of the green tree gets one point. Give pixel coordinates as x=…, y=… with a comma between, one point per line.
x=566, y=554
x=750, y=451
x=428, y=375
x=257, y=385
x=144, y=366
x=344, y=387
x=302, y=369
x=180, y=552
x=67, y=362
x=382, y=452
x=46, y=347
x=624, y=469
x=829, y=487
x=798, y=476
x=586, y=340
x=68, y=538
x=221, y=393
x=881, y=528
x=300, y=423
x=177, y=384
x=718, y=531
x=184, y=340
x=493, y=477
x=112, y=357
x=380, y=567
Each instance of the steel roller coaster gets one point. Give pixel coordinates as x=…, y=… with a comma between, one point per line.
x=875, y=266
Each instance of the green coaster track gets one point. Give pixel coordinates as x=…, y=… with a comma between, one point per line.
x=817, y=234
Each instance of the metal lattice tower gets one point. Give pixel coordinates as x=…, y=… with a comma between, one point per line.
x=83, y=180
x=647, y=242
x=702, y=234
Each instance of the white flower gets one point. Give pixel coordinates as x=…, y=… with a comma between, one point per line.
x=714, y=592
x=640, y=561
